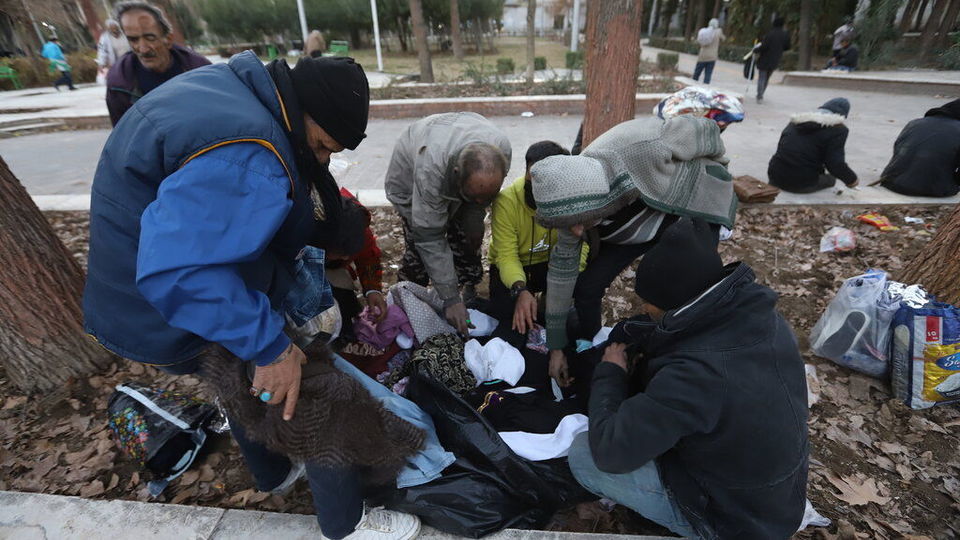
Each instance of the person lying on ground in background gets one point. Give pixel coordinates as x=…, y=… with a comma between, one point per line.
x=619, y=195
x=812, y=142
x=154, y=58
x=352, y=254
x=445, y=170
x=519, y=251
x=926, y=155
x=199, y=236
x=706, y=432
x=845, y=59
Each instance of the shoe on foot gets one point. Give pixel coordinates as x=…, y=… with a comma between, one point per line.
x=297, y=471
x=759, y=100
x=381, y=524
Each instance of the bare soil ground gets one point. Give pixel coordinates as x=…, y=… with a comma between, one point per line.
x=878, y=469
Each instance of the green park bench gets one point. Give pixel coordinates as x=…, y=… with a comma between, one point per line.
x=339, y=48
x=7, y=72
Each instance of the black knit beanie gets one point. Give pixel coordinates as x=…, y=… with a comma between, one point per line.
x=838, y=105
x=335, y=93
x=682, y=264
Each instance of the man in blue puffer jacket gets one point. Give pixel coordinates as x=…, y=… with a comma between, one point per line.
x=200, y=213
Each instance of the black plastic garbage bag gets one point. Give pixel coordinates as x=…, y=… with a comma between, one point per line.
x=489, y=487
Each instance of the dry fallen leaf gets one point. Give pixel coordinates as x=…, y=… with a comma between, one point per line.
x=184, y=495
x=207, y=473
x=14, y=401
x=92, y=489
x=189, y=478
x=114, y=480
x=856, y=492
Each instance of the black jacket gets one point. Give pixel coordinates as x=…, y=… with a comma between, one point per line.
x=926, y=155
x=723, y=411
x=771, y=49
x=810, y=142
x=849, y=57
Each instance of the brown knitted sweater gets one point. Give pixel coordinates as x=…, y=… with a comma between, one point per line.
x=337, y=422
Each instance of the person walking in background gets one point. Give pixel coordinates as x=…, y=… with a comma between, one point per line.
x=709, y=39
x=155, y=60
x=812, y=142
x=112, y=45
x=770, y=52
x=926, y=155
x=845, y=32
x=52, y=52
x=316, y=45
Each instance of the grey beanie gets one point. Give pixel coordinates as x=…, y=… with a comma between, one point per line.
x=572, y=190
x=838, y=105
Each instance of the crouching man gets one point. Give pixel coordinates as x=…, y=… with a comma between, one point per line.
x=714, y=445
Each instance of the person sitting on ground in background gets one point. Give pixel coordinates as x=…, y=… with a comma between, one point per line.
x=845, y=32
x=111, y=47
x=352, y=255
x=445, y=170
x=811, y=142
x=519, y=251
x=619, y=195
x=769, y=53
x=926, y=155
x=718, y=365
x=155, y=59
x=709, y=39
x=846, y=58
x=52, y=52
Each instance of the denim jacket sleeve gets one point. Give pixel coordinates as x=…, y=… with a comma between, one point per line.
x=219, y=210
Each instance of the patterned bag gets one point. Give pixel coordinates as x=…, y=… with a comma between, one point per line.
x=159, y=429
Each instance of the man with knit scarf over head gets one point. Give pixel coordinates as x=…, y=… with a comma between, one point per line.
x=201, y=210
x=621, y=193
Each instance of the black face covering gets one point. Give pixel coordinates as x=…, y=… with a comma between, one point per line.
x=309, y=168
x=528, y=194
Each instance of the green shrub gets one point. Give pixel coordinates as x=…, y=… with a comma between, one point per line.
x=539, y=63
x=574, y=60
x=505, y=66
x=667, y=61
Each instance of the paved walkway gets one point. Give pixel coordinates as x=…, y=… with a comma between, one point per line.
x=33, y=516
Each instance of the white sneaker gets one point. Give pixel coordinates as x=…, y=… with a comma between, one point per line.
x=297, y=471
x=381, y=524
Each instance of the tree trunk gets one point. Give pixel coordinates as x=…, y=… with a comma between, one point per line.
x=701, y=20
x=907, y=17
x=929, y=35
x=949, y=20
x=455, y=29
x=687, y=18
x=92, y=19
x=613, y=64
x=531, y=35
x=716, y=8
x=938, y=264
x=402, y=33
x=420, y=33
x=923, y=7
x=42, y=342
x=803, y=47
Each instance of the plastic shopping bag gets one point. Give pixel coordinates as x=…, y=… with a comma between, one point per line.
x=854, y=331
x=926, y=355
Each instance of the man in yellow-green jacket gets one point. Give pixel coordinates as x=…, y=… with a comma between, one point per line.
x=519, y=252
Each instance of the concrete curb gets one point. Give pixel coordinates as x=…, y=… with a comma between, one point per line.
x=70, y=203
x=416, y=108
x=868, y=83
x=53, y=517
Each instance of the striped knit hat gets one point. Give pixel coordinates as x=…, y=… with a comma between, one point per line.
x=571, y=190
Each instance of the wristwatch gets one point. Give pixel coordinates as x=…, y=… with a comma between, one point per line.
x=516, y=290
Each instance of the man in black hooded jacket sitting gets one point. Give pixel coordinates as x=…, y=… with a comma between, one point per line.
x=926, y=155
x=714, y=443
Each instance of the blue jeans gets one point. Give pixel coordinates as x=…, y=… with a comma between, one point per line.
x=640, y=490
x=337, y=496
x=706, y=68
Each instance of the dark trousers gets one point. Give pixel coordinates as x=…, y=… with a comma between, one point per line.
x=65, y=78
x=337, y=492
x=502, y=305
x=706, y=68
x=466, y=256
x=824, y=181
x=594, y=280
x=763, y=78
